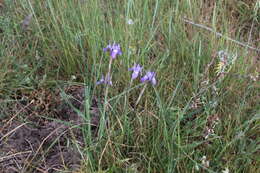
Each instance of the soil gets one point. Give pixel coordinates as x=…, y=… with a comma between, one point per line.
x=49, y=136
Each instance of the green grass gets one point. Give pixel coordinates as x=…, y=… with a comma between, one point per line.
x=163, y=133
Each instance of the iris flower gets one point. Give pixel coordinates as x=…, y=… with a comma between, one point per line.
x=106, y=80
x=149, y=77
x=114, y=50
x=137, y=69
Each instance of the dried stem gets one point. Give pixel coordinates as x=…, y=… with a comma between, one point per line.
x=140, y=95
x=220, y=35
x=107, y=86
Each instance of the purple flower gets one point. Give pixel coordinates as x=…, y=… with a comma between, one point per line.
x=106, y=80
x=114, y=50
x=136, y=70
x=149, y=76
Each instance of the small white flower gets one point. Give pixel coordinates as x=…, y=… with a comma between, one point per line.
x=253, y=78
x=207, y=132
x=130, y=22
x=226, y=170
x=204, y=161
x=226, y=61
x=73, y=77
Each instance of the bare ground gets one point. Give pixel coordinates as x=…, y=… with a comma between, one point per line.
x=49, y=136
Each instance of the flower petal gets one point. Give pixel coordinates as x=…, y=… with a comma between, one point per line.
x=114, y=50
x=135, y=75
x=149, y=76
x=153, y=81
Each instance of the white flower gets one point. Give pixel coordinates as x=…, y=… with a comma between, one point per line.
x=226, y=170
x=130, y=22
x=226, y=61
x=204, y=161
x=73, y=77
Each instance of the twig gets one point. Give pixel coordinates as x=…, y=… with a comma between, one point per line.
x=250, y=33
x=220, y=35
x=102, y=153
x=140, y=95
x=23, y=108
x=40, y=146
x=7, y=134
x=108, y=76
x=13, y=155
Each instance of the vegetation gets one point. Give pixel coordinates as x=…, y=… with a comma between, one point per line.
x=203, y=113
